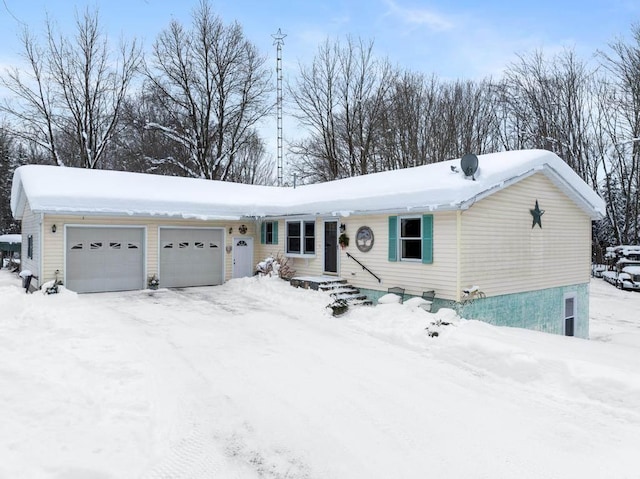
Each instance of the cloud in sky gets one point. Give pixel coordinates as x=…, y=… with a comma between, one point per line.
x=419, y=16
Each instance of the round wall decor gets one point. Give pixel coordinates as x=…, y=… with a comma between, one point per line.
x=364, y=239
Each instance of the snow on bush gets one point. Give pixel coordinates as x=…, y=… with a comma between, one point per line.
x=278, y=267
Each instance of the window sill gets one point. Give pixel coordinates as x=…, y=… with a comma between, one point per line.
x=298, y=255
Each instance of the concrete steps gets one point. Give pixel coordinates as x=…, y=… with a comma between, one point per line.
x=341, y=292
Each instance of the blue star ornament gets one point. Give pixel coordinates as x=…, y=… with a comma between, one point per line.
x=537, y=216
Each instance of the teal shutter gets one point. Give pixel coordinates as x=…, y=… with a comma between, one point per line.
x=427, y=239
x=275, y=232
x=263, y=233
x=393, y=238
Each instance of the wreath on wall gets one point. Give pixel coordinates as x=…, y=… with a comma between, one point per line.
x=343, y=240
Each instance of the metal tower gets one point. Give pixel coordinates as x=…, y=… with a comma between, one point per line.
x=278, y=41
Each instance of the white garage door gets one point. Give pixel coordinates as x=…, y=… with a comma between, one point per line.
x=191, y=257
x=104, y=259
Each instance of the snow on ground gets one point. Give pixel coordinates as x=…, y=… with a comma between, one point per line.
x=255, y=379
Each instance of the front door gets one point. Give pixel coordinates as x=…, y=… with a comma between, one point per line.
x=330, y=246
x=242, y=257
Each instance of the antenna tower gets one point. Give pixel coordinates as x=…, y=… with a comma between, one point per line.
x=278, y=41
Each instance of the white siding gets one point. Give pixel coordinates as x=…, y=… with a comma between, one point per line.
x=54, y=259
x=415, y=277
x=502, y=253
x=31, y=226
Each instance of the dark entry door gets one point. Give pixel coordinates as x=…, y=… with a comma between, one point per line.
x=330, y=246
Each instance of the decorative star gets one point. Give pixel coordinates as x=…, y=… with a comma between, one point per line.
x=537, y=216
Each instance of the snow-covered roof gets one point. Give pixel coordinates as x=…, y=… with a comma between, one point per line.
x=11, y=239
x=434, y=187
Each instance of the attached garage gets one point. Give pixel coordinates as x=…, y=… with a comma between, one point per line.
x=104, y=258
x=191, y=257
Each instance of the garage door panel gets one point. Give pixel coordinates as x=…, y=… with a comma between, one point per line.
x=191, y=257
x=100, y=259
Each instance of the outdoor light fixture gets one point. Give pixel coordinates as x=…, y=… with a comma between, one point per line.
x=53, y=229
x=343, y=227
x=230, y=230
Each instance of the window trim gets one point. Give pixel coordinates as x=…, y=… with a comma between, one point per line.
x=571, y=295
x=30, y=247
x=302, y=222
x=413, y=238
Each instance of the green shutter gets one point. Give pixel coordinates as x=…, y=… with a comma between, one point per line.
x=263, y=233
x=275, y=232
x=427, y=239
x=393, y=238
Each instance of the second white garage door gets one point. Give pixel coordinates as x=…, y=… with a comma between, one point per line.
x=191, y=257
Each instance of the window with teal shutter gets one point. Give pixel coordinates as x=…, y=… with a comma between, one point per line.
x=269, y=232
x=427, y=239
x=393, y=238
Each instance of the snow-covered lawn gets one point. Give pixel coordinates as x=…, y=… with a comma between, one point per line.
x=255, y=379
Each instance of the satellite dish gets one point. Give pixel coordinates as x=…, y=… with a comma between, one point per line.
x=469, y=165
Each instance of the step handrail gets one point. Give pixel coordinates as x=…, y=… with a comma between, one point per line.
x=365, y=268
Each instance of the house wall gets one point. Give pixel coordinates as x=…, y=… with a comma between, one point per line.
x=502, y=254
x=54, y=258
x=415, y=277
x=31, y=225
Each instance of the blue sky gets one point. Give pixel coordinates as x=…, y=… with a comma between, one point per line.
x=453, y=39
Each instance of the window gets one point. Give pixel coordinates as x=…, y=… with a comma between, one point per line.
x=115, y=245
x=96, y=245
x=167, y=245
x=411, y=238
x=569, y=314
x=198, y=245
x=183, y=244
x=133, y=246
x=77, y=246
x=30, y=246
x=269, y=232
x=301, y=237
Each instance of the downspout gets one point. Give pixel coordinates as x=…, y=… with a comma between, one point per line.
x=458, y=255
x=41, y=251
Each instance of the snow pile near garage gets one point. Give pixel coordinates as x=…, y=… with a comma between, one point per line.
x=255, y=379
x=437, y=186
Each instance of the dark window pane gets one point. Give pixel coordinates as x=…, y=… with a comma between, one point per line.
x=309, y=245
x=411, y=249
x=410, y=228
x=309, y=228
x=293, y=245
x=293, y=228
x=268, y=232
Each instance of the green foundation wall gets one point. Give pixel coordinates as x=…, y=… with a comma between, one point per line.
x=541, y=310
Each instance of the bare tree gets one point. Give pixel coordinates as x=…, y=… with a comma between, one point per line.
x=548, y=103
x=72, y=95
x=8, y=164
x=339, y=99
x=620, y=138
x=211, y=84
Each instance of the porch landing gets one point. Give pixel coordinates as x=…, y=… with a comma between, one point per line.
x=315, y=282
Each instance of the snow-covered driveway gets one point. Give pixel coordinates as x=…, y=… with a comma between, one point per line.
x=254, y=379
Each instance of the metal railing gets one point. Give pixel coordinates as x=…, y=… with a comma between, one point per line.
x=365, y=268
